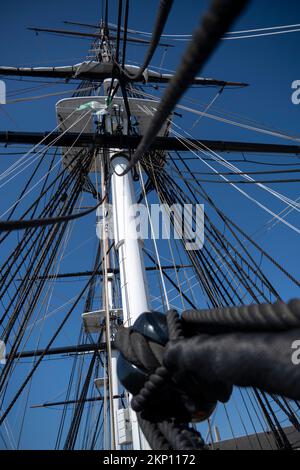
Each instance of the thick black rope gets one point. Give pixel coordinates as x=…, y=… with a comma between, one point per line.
x=214, y=25
x=161, y=19
x=125, y=33
x=11, y=225
x=119, y=29
x=264, y=317
x=247, y=346
x=152, y=433
x=208, y=353
x=261, y=359
x=181, y=437
x=168, y=435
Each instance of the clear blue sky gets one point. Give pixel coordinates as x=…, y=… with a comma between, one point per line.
x=268, y=64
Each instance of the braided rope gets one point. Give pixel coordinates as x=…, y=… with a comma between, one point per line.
x=195, y=369
x=151, y=387
x=174, y=326
x=181, y=437
x=265, y=317
x=153, y=434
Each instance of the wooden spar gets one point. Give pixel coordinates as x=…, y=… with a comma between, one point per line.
x=103, y=71
x=109, y=271
x=76, y=349
x=91, y=35
x=72, y=402
x=131, y=142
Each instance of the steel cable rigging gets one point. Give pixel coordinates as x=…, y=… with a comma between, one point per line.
x=26, y=286
x=15, y=398
x=215, y=23
x=55, y=201
x=30, y=237
x=212, y=234
x=199, y=189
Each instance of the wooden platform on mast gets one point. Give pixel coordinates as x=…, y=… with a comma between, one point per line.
x=72, y=119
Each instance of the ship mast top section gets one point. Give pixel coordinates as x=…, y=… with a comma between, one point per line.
x=104, y=63
x=104, y=47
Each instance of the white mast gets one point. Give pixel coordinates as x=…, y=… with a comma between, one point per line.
x=129, y=246
x=132, y=271
x=134, y=292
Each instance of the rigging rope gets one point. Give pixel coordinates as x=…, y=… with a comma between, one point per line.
x=262, y=206
x=219, y=159
x=153, y=237
x=125, y=33
x=257, y=128
x=215, y=23
x=19, y=392
x=161, y=19
x=189, y=36
x=19, y=163
x=11, y=225
x=46, y=175
x=229, y=248
x=274, y=33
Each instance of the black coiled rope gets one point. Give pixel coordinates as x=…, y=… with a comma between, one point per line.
x=208, y=353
